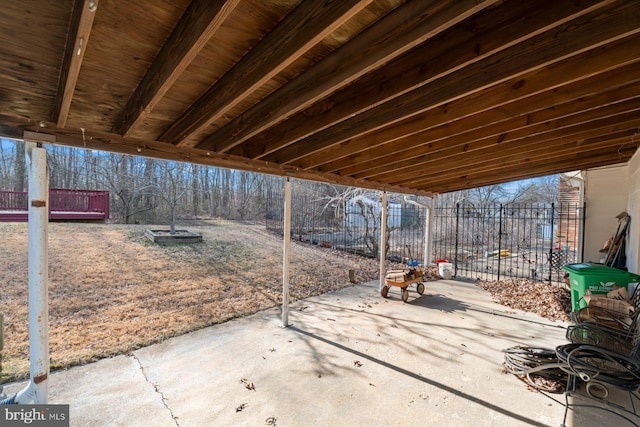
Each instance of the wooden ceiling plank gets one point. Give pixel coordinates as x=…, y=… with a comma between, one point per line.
x=304, y=27
x=559, y=83
x=522, y=128
x=471, y=43
x=84, y=11
x=566, y=153
x=404, y=28
x=498, y=153
x=13, y=127
x=197, y=25
x=588, y=32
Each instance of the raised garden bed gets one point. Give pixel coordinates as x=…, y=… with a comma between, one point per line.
x=180, y=236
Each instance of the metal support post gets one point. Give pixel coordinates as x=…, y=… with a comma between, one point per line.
x=383, y=238
x=38, y=389
x=428, y=238
x=499, y=241
x=286, y=249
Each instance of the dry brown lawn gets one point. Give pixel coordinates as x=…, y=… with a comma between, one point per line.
x=112, y=290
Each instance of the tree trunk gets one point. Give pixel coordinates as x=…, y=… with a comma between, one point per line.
x=18, y=184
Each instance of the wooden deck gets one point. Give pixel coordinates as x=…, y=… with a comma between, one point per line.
x=64, y=205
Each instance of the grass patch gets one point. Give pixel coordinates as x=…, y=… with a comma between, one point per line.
x=113, y=291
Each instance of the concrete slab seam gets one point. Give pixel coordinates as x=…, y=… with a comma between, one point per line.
x=156, y=388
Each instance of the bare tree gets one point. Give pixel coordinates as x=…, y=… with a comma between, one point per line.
x=174, y=188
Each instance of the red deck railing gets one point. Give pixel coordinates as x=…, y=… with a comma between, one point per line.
x=63, y=205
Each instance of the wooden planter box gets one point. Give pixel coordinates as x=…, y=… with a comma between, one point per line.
x=181, y=236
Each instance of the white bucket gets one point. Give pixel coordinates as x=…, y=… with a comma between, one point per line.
x=446, y=270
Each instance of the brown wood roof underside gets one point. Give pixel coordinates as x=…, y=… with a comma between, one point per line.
x=411, y=96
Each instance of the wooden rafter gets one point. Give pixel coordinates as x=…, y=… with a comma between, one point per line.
x=561, y=82
x=437, y=58
x=403, y=29
x=621, y=150
x=84, y=11
x=432, y=158
x=198, y=24
x=277, y=50
x=488, y=149
x=588, y=32
x=413, y=148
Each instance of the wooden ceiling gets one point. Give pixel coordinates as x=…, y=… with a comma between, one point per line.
x=418, y=96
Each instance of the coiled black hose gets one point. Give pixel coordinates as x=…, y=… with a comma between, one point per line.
x=590, y=362
x=538, y=367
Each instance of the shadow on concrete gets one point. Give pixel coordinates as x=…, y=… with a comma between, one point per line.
x=439, y=302
x=413, y=375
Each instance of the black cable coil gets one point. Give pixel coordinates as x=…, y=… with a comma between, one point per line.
x=538, y=367
x=590, y=362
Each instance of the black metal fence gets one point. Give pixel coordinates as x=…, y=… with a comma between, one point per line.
x=492, y=241
x=495, y=241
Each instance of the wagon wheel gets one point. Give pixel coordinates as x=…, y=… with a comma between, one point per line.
x=420, y=288
x=384, y=291
x=405, y=294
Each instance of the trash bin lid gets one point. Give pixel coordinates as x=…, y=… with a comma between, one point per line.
x=595, y=269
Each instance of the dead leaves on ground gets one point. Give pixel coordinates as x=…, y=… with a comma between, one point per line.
x=550, y=301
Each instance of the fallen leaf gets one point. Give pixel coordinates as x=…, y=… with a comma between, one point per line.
x=271, y=421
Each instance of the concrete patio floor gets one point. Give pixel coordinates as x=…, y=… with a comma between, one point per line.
x=350, y=358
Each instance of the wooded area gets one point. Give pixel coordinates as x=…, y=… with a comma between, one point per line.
x=146, y=190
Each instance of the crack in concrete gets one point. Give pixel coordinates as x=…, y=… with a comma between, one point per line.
x=156, y=388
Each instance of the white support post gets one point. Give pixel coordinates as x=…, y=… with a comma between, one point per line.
x=38, y=389
x=286, y=249
x=383, y=238
x=428, y=235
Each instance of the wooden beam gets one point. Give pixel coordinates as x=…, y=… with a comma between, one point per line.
x=522, y=171
x=522, y=129
x=556, y=84
x=499, y=154
x=565, y=153
x=300, y=30
x=198, y=24
x=15, y=127
x=463, y=45
x=82, y=17
x=533, y=156
x=401, y=30
x=436, y=140
x=587, y=32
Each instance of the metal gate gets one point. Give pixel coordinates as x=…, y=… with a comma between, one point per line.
x=495, y=241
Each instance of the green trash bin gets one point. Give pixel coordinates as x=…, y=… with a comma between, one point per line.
x=596, y=278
